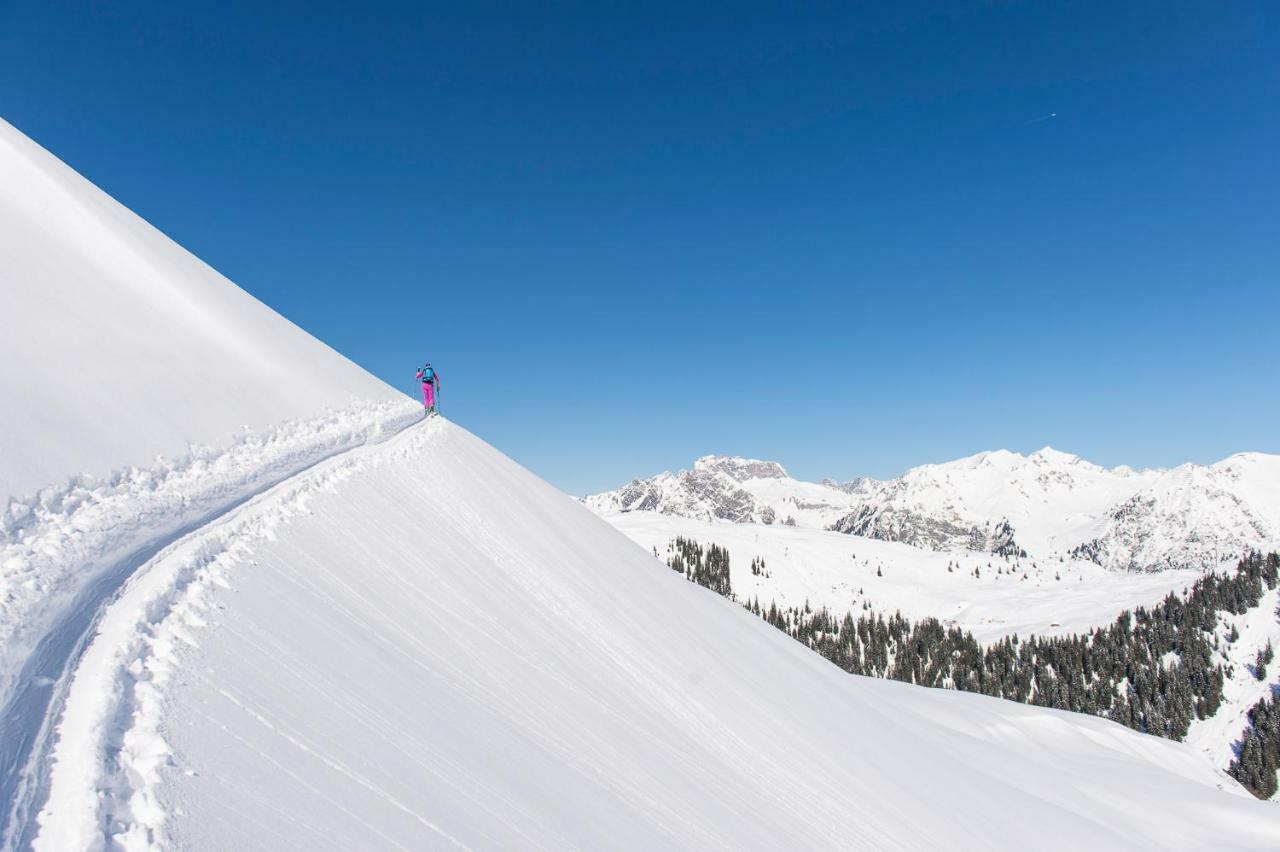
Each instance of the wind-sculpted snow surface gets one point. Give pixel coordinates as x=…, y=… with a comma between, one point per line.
x=419, y=644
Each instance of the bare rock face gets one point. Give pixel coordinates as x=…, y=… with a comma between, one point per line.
x=738, y=469
x=733, y=489
x=918, y=530
x=930, y=532
x=710, y=490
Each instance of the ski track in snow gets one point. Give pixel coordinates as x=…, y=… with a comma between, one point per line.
x=123, y=747
x=67, y=552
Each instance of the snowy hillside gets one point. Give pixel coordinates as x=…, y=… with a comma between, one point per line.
x=120, y=346
x=524, y=676
x=1047, y=505
x=359, y=628
x=145, y=395
x=1193, y=514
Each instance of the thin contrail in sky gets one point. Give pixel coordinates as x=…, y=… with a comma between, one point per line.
x=1043, y=118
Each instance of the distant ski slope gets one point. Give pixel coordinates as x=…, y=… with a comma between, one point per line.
x=119, y=345
x=436, y=649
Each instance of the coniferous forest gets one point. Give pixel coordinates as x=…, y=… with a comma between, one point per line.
x=1151, y=669
x=1259, y=756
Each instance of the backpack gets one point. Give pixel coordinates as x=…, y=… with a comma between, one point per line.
x=428, y=375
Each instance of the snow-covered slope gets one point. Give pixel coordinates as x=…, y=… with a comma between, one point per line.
x=1193, y=514
x=144, y=395
x=1055, y=504
x=1241, y=637
x=1045, y=496
x=119, y=345
x=421, y=644
x=1048, y=504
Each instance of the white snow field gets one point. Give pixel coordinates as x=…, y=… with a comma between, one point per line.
x=353, y=628
x=119, y=345
x=144, y=395
x=418, y=644
x=843, y=572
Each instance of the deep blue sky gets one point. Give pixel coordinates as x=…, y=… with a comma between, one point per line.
x=844, y=237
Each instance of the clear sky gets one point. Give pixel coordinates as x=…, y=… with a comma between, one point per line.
x=851, y=237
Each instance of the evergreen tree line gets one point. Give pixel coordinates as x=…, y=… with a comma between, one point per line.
x=706, y=566
x=1259, y=757
x=1153, y=670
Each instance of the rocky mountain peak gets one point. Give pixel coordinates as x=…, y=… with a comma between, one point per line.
x=740, y=469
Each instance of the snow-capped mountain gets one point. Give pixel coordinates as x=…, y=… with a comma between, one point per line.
x=1047, y=504
x=359, y=628
x=733, y=489
x=1192, y=514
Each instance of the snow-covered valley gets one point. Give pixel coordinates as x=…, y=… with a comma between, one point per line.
x=351, y=626
x=989, y=597
x=981, y=593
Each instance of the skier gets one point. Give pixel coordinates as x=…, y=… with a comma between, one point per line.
x=430, y=381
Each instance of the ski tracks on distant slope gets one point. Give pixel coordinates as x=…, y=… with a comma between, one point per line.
x=99, y=657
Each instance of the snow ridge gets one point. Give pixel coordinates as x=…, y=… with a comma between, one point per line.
x=1193, y=514
x=564, y=675
x=68, y=549
x=154, y=349
x=52, y=543
x=110, y=748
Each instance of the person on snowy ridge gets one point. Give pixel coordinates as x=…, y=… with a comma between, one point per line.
x=430, y=381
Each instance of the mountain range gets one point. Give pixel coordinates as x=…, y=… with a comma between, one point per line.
x=1046, y=505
